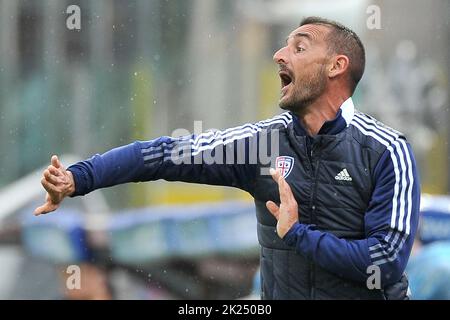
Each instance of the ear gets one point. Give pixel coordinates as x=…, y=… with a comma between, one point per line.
x=339, y=65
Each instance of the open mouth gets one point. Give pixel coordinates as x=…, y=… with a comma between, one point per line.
x=286, y=79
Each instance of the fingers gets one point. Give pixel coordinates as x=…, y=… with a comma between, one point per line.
x=273, y=209
x=49, y=187
x=52, y=178
x=45, y=208
x=285, y=189
x=287, y=213
x=286, y=195
x=51, y=181
x=54, y=171
x=55, y=162
x=275, y=174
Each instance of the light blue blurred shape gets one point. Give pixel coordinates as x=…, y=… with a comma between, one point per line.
x=429, y=272
x=149, y=234
x=59, y=238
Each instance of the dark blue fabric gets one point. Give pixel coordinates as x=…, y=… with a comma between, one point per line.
x=330, y=127
x=355, y=231
x=351, y=257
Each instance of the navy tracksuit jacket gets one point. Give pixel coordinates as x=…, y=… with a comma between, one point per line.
x=356, y=185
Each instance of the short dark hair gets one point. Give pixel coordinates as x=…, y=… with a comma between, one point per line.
x=342, y=40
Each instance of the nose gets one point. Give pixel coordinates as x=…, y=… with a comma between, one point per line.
x=280, y=56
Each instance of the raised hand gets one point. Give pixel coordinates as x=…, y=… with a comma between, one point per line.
x=59, y=183
x=287, y=213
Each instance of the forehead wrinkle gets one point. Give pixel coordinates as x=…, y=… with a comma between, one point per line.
x=300, y=35
x=315, y=31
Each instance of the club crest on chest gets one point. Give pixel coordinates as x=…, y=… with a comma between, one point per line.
x=284, y=165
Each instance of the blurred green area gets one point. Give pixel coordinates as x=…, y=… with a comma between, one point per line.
x=140, y=69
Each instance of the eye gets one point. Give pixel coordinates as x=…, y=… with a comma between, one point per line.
x=300, y=49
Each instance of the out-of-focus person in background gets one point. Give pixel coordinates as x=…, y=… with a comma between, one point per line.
x=348, y=188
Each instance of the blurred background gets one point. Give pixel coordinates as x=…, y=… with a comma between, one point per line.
x=139, y=69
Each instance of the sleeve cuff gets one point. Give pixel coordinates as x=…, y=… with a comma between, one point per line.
x=79, y=179
x=290, y=238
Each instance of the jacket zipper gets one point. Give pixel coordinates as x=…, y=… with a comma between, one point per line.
x=311, y=220
x=313, y=173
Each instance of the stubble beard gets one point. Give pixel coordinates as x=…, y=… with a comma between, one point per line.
x=305, y=92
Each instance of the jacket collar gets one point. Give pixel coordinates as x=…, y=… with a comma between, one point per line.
x=332, y=127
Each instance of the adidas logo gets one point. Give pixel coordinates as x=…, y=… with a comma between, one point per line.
x=343, y=176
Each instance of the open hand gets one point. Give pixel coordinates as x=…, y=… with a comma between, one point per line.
x=287, y=213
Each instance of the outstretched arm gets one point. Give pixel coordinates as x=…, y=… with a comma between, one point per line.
x=228, y=158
